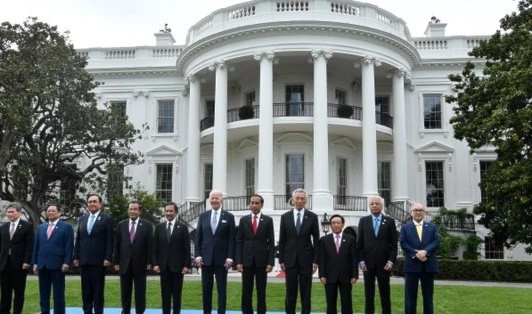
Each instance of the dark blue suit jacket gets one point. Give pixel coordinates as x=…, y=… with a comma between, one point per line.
x=57, y=250
x=409, y=241
x=92, y=249
x=215, y=248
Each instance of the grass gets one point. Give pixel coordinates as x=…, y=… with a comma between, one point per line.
x=447, y=299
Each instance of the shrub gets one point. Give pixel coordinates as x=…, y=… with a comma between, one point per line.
x=344, y=111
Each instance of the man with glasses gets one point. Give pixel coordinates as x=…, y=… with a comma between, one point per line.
x=419, y=240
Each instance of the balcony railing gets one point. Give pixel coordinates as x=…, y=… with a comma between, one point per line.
x=301, y=109
x=459, y=224
x=192, y=211
x=398, y=210
x=282, y=202
x=350, y=203
x=236, y=203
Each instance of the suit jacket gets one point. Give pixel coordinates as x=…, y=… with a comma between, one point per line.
x=257, y=248
x=376, y=251
x=215, y=248
x=338, y=266
x=173, y=255
x=92, y=249
x=410, y=243
x=54, y=252
x=302, y=247
x=21, y=245
x=138, y=254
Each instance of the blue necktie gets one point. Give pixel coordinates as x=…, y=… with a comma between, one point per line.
x=298, y=222
x=91, y=224
x=376, y=225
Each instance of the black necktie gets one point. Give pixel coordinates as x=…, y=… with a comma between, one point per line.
x=169, y=231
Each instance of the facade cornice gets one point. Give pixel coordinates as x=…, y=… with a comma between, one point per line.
x=132, y=72
x=299, y=28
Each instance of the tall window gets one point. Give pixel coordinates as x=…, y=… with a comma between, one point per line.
x=295, y=98
x=209, y=108
x=341, y=180
x=432, y=111
x=434, y=183
x=207, y=178
x=382, y=104
x=165, y=116
x=250, y=98
x=250, y=177
x=493, y=250
x=118, y=108
x=340, y=97
x=68, y=187
x=484, y=165
x=163, y=182
x=294, y=174
x=115, y=180
x=384, y=180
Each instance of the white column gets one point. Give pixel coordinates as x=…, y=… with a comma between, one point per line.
x=265, y=154
x=321, y=197
x=193, y=151
x=369, y=130
x=400, y=175
x=219, y=164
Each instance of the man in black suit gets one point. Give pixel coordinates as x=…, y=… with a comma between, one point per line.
x=377, y=250
x=420, y=240
x=16, y=242
x=298, y=252
x=93, y=251
x=255, y=254
x=214, y=248
x=338, y=268
x=171, y=258
x=132, y=257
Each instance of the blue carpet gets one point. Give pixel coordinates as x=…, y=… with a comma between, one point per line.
x=72, y=310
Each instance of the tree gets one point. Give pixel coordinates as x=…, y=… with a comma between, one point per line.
x=495, y=109
x=53, y=136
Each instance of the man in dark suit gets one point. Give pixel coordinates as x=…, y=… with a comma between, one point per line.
x=93, y=251
x=419, y=240
x=299, y=235
x=51, y=258
x=255, y=254
x=132, y=257
x=16, y=242
x=171, y=258
x=338, y=269
x=214, y=248
x=377, y=250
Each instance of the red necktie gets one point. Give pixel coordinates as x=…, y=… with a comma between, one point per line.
x=254, y=225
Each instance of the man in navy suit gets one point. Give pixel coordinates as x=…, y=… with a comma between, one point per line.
x=16, y=242
x=419, y=240
x=171, y=258
x=299, y=236
x=93, y=251
x=338, y=269
x=51, y=258
x=377, y=251
x=255, y=254
x=214, y=248
x=132, y=257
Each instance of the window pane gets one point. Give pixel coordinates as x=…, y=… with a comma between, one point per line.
x=382, y=104
x=250, y=98
x=493, y=250
x=250, y=177
x=484, y=165
x=432, y=111
x=340, y=97
x=384, y=180
x=165, y=116
x=163, y=182
x=341, y=180
x=434, y=184
x=207, y=179
x=295, y=174
x=115, y=180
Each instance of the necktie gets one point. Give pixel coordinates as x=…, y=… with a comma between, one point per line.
x=214, y=221
x=91, y=223
x=376, y=225
x=254, y=225
x=132, y=231
x=169, y=231
x=337, y=243
x=49, y=231
x=298, y=222
x=12, y=231
x=419, y=230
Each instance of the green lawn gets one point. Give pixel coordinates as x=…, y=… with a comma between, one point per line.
x=448, y=299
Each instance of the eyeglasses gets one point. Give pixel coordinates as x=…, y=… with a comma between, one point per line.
x=418, y=210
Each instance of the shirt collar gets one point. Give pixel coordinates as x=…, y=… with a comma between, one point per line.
x=258, y=216
x=171, y=221
x=15, y=222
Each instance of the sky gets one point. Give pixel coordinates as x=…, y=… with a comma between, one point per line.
x=126, y=23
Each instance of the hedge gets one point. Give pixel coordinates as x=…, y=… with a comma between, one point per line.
x=483, y=270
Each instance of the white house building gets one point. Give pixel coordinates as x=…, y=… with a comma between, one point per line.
x=338, y=98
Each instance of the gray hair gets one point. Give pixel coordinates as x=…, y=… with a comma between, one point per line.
x=299, y=190
x=381, y=200
x=15, y=206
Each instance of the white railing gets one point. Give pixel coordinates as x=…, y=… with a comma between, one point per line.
x=345, y=8
x=120, y=54
x=431, y=44
x=290, y=6
x=241, y=13
x=166, y=52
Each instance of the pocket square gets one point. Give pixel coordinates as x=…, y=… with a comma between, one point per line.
x=224, y=221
